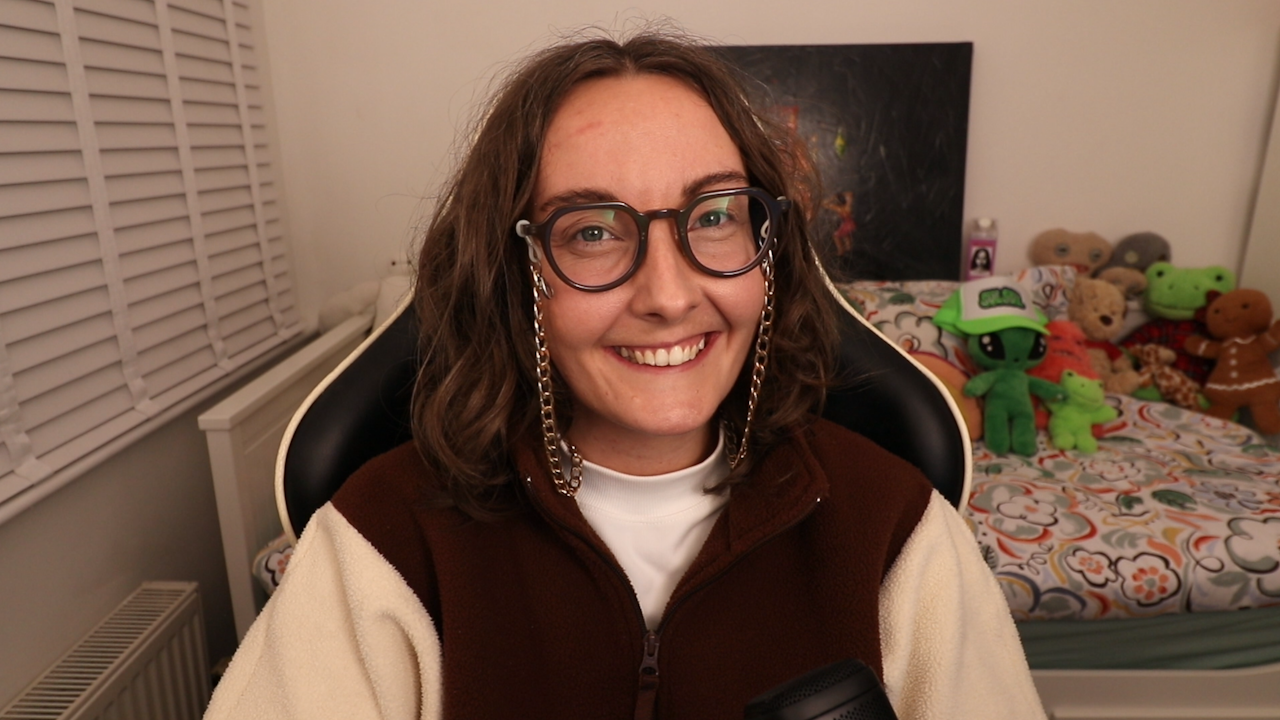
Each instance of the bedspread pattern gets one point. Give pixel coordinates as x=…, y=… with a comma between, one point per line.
x=1176, y=512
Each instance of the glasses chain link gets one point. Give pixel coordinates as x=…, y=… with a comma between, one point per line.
x=550, y=432
x=736, y=454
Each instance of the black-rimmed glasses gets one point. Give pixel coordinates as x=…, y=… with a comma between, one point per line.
x=598, y=246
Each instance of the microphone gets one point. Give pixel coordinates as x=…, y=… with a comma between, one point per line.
x=847, y=690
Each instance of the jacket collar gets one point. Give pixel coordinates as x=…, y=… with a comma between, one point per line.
x=786, y=484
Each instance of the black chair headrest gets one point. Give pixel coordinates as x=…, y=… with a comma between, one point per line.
x=363, y=410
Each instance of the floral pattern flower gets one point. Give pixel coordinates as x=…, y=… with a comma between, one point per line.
x=1228, y=496
x=1029, y=509
x=914, y=333
x=1255, y=546
x=1095, y=568
x=1147, y=578
x=1112, y=470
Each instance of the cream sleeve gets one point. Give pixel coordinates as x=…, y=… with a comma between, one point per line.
x=948, y=643
x=343, y=636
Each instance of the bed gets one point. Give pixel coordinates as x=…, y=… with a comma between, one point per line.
x=1145, y=577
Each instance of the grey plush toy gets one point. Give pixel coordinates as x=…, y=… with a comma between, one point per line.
x=1126, y=269
x=1137, y=251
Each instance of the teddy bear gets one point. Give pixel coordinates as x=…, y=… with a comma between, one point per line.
x=1085, y=251
x=1072, y=420
x=1242, y=375
x=1127, y=268
x=1098, y=307
x=1158, y=371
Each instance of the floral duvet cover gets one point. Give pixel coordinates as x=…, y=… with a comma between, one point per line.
x=1175, y=512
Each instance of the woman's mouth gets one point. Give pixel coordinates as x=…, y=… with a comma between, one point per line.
x=664, y=357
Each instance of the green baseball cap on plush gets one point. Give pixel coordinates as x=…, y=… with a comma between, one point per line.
x=988, y=305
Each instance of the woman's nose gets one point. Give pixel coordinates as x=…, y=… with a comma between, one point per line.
x=666, y=284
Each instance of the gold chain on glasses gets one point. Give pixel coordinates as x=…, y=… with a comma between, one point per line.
x=761, y=361
x=550, y=433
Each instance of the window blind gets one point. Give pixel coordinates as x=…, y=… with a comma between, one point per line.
x=141, y=251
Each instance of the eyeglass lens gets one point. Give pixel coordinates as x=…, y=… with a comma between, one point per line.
x=596, y=246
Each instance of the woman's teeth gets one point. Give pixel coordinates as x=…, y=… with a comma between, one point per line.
x=664, y=357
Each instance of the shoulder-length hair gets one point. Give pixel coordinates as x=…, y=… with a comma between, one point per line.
x=477, y=389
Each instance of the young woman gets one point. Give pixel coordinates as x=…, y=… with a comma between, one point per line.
x=617, y=503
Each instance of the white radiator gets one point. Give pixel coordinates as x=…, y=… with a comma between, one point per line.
x=145, y=661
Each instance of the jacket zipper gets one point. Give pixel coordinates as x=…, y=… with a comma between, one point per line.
x=647, y=699
x=647, y=695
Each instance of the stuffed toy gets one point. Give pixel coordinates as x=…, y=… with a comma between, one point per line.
x=1173, y=297
x=1131, y=257
x=1169, y=383
x=1005, y=336
x=1243, y=376
x=1098, y=308
x=1085, y=251
x=1072, y=420
x=1066, y=351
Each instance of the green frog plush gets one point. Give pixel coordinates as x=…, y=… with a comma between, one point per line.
x=1071, y=421
x=1006, y=336
x=1173, y=298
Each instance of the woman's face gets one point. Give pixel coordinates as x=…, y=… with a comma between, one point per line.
x=651, y=142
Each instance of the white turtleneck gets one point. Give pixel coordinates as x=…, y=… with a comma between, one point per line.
x=654, y=524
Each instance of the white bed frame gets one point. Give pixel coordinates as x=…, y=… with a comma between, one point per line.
x=244, y=432
x=1240, y=694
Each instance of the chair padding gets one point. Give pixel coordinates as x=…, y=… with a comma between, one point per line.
x=884, y=396
x=363, y=412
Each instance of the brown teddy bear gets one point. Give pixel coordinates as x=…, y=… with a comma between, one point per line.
x=1098, y=307
x=1086, y=251
x=1242, y=376
x=1157, y=369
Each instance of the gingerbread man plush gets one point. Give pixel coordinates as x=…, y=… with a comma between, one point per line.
x=1243, y=376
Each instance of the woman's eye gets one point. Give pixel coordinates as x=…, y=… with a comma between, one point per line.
x=711, y=219
x=593, y=234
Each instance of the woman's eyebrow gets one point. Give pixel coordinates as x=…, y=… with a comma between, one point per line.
x=575, y=196
x=699, y=186
x=583, y=195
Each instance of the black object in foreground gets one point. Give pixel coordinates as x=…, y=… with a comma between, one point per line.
x=847, y=690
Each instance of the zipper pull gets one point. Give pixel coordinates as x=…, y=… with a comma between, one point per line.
x=647, y=694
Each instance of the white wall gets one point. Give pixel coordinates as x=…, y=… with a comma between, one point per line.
x=147, y=513
x=1093, y=114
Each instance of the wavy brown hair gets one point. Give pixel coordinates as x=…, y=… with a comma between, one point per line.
x=477, y=388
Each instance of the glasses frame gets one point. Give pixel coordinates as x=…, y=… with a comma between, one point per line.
x=777, y=209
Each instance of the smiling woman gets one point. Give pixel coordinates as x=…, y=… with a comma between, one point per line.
x=656, y=145
x=618, y=502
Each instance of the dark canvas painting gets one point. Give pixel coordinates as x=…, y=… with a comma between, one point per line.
x=887, y=126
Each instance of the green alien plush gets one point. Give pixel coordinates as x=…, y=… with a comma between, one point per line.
x=1006, y=337
x=1071, y=420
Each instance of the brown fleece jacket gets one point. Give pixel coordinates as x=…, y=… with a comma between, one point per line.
x=537, y=620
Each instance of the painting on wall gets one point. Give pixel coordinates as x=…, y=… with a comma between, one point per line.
x=887, y=127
